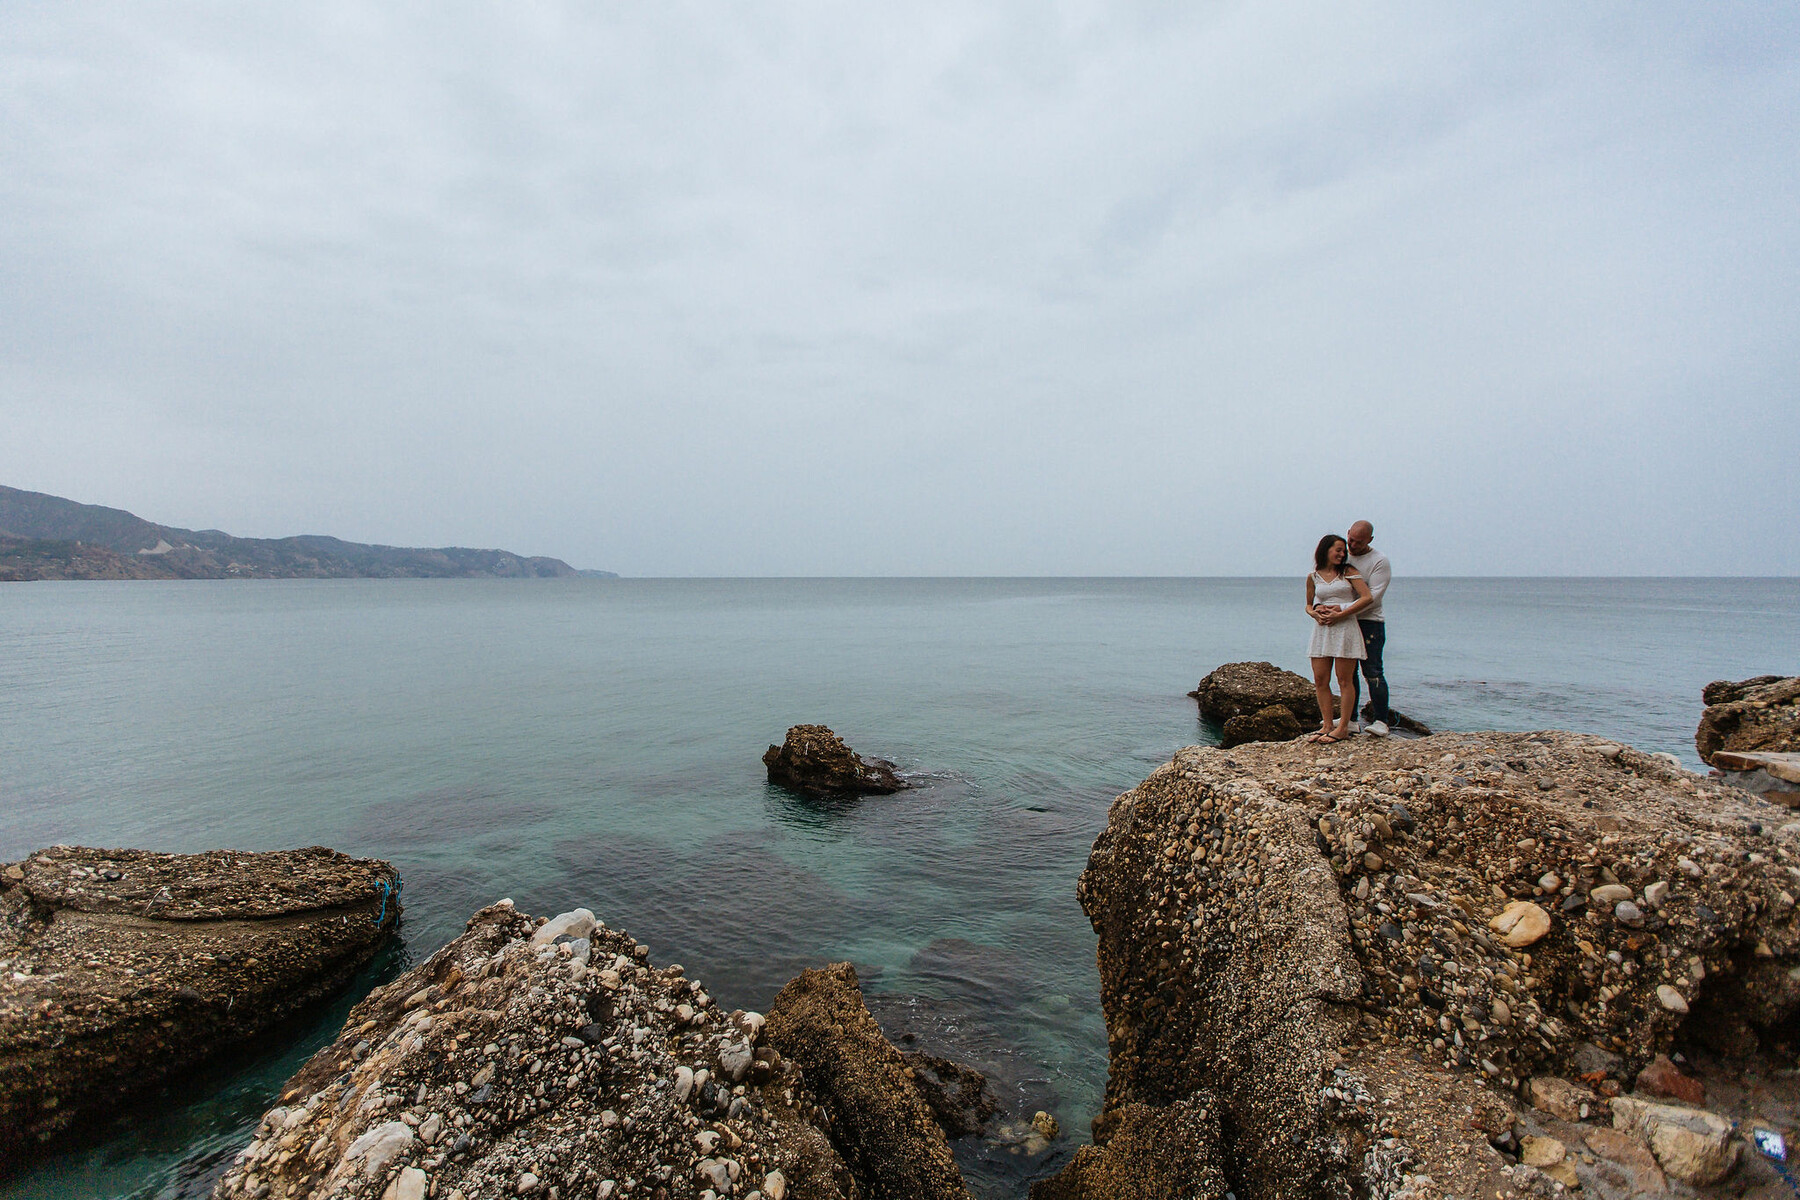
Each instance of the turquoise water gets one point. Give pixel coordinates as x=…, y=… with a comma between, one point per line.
x=597, y=742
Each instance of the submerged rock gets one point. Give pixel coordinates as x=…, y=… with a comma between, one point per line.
x=510, y=1063
x=121, y=968
x=815, y=760
x=1244, y=689
x=1303, y=933
x=957, y=1094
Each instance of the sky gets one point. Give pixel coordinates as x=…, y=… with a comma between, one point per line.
x=962, y=289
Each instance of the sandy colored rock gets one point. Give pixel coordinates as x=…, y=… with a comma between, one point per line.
x=814, y=760
x=539, y=1066
x=880, y=1124
x=1349, y=1021
x=1520, y=924
x=1541, y=1151
x=123, y=968
x=1560, y=1098
x=1691, y=1144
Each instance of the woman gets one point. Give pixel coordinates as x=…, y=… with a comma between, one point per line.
x=1335, y=593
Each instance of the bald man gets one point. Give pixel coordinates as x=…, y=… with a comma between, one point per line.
x=1372, y=565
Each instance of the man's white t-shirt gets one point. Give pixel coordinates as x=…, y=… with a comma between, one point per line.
x=1373, y=567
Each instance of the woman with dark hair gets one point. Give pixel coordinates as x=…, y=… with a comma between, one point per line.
x=1335, y=593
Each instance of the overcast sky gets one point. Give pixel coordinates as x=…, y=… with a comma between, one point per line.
x=1026, y=288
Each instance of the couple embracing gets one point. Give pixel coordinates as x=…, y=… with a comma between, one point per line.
x=1343, y=597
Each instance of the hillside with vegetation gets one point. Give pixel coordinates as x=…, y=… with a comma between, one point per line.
x=48, y=537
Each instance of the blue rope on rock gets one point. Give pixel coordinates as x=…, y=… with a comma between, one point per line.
x=385, y=892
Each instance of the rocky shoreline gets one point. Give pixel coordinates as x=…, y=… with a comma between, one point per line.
x=120, y=969
x=1461, y=965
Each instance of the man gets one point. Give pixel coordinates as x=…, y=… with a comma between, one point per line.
x=1372, y=564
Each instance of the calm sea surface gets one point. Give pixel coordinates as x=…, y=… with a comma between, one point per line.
x=597, y=743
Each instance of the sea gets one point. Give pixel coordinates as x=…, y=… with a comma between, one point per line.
x=598, y=742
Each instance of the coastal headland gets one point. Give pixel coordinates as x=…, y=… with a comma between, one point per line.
x=48, y=537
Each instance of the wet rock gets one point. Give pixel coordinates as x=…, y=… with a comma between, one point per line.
x=958, y=1095
x=1272, y=724
x=1691, y=1144
x=1167, y=1152
x=1756, y=715
x=552, y=1115
x=1245, y=689
x=880, y=1124
x=815, y=760
x=123, y=968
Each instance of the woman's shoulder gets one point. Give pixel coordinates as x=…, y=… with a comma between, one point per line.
x=1351, y=572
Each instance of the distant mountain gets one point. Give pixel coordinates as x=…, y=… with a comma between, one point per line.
x=47, y=537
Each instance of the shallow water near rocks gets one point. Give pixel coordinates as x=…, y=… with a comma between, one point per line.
x=598, y=743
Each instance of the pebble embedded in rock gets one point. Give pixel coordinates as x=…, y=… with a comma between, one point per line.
x=1521, y=924
x=1627, y=913
x=1671, y=999
x=1609, y=894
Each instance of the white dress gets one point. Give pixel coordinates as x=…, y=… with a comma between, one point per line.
x=1344, y=639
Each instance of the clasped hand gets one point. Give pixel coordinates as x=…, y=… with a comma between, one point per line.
x=1327, y=614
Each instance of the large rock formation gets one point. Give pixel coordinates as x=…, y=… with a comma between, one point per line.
x=815, y=760
x=1243, y=689
x=880, y=1123
x=1362, y=956
x=553, y=1059
x=119, y=968
x=1760, y=715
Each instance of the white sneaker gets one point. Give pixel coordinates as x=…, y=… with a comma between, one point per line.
x=1377, y=729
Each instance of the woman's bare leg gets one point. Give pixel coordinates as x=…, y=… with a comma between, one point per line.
x=1322, y=686
x=1346, y=675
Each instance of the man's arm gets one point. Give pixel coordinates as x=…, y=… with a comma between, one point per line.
x=1378, y=580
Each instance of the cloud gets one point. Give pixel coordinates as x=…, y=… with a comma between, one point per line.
x=956, y=289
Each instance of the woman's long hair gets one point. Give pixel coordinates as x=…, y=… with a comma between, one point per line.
x=1322, y=555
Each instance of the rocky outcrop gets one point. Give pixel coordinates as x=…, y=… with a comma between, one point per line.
x=1271, y=724
x=1760, y=715
x=1366, y=952
x=553, y=1059
x=1244, y=689
x=1150, y=1153
x=121, y=968
x=879, y=1121
x=815, y=760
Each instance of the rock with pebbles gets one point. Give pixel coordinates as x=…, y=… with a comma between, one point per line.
x=880, y=1123
x=814, y=760
x=1244, y=689
x=1272, y=724
x=121, y=968
x=1304, y=933
x=1760, y=715
x=505, y=1066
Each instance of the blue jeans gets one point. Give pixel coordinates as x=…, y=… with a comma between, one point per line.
x=1374, y=639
